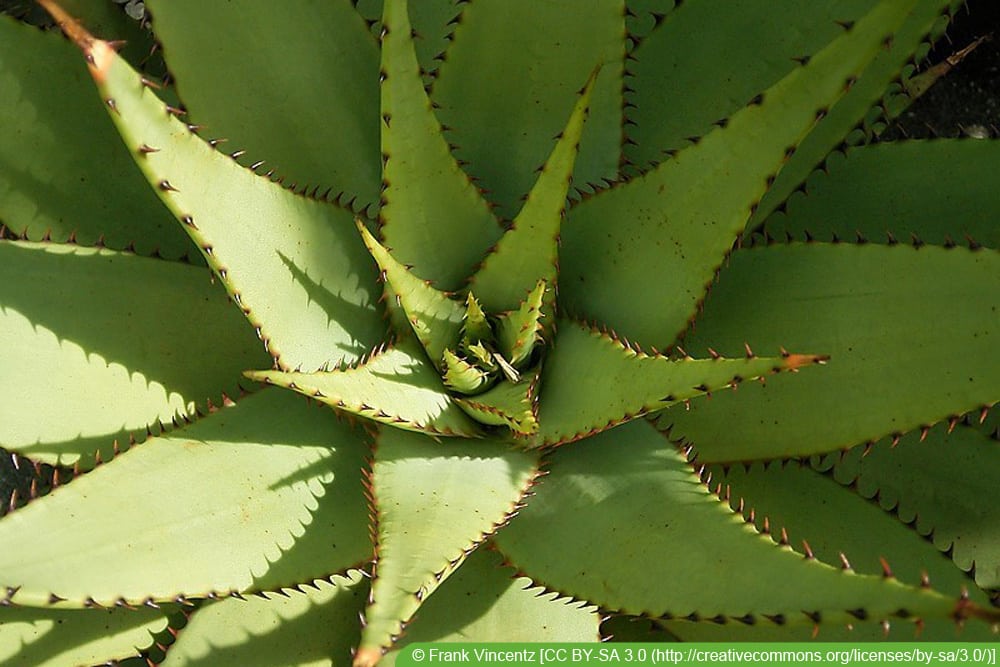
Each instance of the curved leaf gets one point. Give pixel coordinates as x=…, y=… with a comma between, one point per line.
x=528, y=252
x=396, y=386
x=314, y=626
x=504, y=124
x=63, y=170
x=937, y=481
x=931, y=190
x=684, y=216
x=434, y=503
x=433, y=216
x=507, y=403
x=583, y=362
x=319, y=133
x=482, y=602
x=295, y=265
x=97, y=345
x=289, y=508
x=33, y=637
x=631, y=487
x=853, y=303
x=436, y=318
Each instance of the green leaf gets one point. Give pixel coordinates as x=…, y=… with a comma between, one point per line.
x=504, y=124
x=433, y=216
x=512, y=404
x=519, y=329
x=289, y=508
x=925, y=18
x=434, y=503
x=852, y=303
x=318, y=133
x=528, y=252
x=685, y=215
x=583, y=362
x=632, y=488
x=295, y=265
x=515, y=610
x=395, y=386
x=462, y=376
x=436, y=318
x=477, y=327
x=63, y=171
x=942, y=484
x=33, y=637
x=311, y=626
x=97, y=345
x=931, y=190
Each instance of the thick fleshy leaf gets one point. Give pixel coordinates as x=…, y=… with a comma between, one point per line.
x=295, y=265
x=511, y=404
x=435, y=317
x=505, y=123
x=433, y=216
x=33, y=637
x=462, y=376
x=290, y=508
x=518, y=330
x=630, y=484
x=583, y=363
x=62, y=168
x=318, y=133
x=932, y=190
x=395, y=386
x=939, y=482
x=433, y=22
x=315, y=626
x=515, y=610
x=434, y=503
x=910, y=332
x=685, y=215
x=528, y=252
x=97, y=345
x=863, y=99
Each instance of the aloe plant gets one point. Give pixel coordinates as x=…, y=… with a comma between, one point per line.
x=602, y=318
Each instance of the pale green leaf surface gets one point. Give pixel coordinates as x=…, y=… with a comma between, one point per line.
x=314, y=627
x=289, y=508
x=911, y=335
x=507, y=404
x=96, y=345
x=433, y=216
x=528, y=252
x=684, y=216
x=435, y=502
x=632, y=488
x=315, y=90
x=33, y=637
x=462, y=376
x=813, y=507
x=575, y=402
x=62, y=167
x=396, y=386
x=504, y=124
x=435, y=317
x=944, y=486
x=296, y=265
x=484, y=602
x=934, y=190
x=518, y=330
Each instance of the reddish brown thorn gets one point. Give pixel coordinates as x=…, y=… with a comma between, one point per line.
x=808, y=550
x=844, y=563
x=166, y=187
x=12, y=505
x=749, y=352
x=923, y=432
x=984, y=413
x=886, y=570
x=925, y=579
